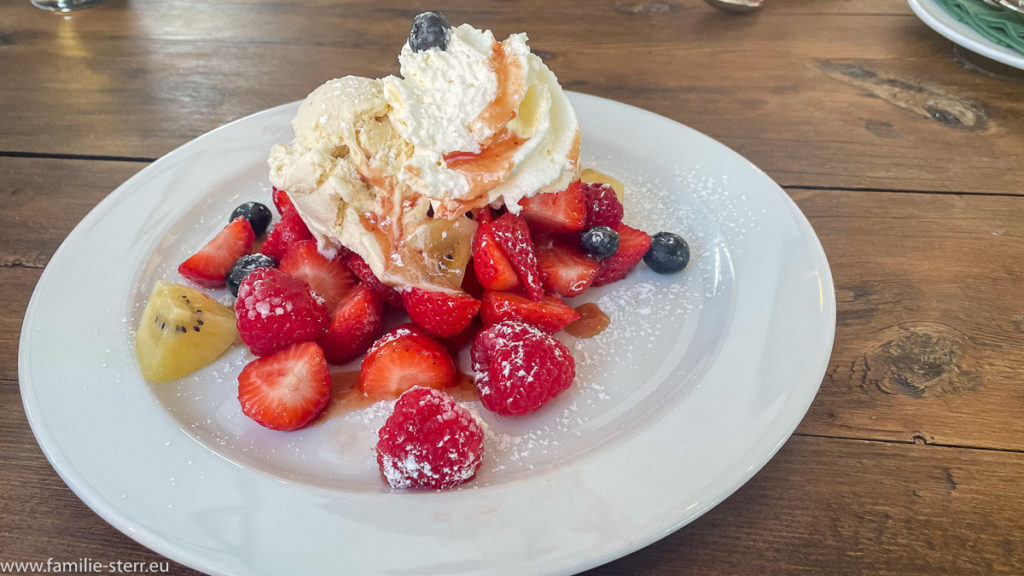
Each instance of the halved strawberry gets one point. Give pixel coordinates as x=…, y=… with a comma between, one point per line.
x=210, y=266
x=330, y=279
x=603, y=206
x=490, y=265
x=354, y=324
x=360, y=268
x=403, y=358
x=633, y=244
x=286, y=390
x=440, y=314
x=564, y=268
x=556, y=212
x=282, y=202
x=549, y=314
x=513, y=236
x=289, y=230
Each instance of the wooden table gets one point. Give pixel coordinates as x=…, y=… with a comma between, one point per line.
x=906, y=154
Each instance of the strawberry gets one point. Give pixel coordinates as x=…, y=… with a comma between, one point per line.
x=282, y=202
x=360, y=268
x=513, y=236
x=210, y=266
x=440, y=314
x=403, y=358
x=603, y=206
x=429, y=441
x=354, y=324
x=330, y=279
x=564, y=268
x=274, y=310
x=556, y=212
x=460, y=340
x=633, y=244
x=549, y=313
x=289, y=230
x=286, y=390
x=492, y=269
x=519, y=368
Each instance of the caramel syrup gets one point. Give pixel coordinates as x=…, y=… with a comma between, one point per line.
x=346, y=396
x=592, y=321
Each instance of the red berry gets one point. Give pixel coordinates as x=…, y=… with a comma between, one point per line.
x=330, y=279
x=513, y=236
x=429, y=441
x=354, y=324
x=289, y=230
x=564, y=268
x=360, y=268
x=275, y=310
x=490, y=265
x=210, y=266
x=440, y=314
x=603, y=206
x=287, y=389
x=282, y=202
x=556, y=212
x=518, y=368
x=403, y=358
x=633, y=244
x=549, y=313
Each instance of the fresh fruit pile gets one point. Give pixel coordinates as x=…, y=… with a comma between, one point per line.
x=299, y=312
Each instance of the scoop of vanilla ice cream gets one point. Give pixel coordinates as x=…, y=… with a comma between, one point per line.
x=387, y=166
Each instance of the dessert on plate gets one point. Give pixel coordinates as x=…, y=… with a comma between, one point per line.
x=452, y=194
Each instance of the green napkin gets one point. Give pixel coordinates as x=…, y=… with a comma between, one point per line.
x=1000, y=25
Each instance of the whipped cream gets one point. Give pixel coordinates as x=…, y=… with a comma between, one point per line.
x=386, y=167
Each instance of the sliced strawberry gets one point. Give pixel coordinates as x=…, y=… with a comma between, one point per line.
x=210, y=266
x=330, y=279
x=460, y=340
x=556, y=212
x=633, y=244
x=289, y=230
x=282, y=202
x=470, y=283
x=490, y=265
x=513, y=236
x=564, y=268
x=403, y=358
x=360, y=268
x=286, y=390
x=354, y=324
x=603, y=206
x=440, y=314
x=549, y=314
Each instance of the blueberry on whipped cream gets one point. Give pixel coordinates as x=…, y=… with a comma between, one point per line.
x=429, y=30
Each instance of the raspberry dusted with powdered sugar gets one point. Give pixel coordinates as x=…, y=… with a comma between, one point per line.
x=429, y=441
x=519, y=368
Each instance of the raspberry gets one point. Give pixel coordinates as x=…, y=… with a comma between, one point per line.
x=429, y=441
x=519, y=368
x=603, y=206
x=275, y=311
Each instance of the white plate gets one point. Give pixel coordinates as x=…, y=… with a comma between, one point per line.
x=700, y=379
x=944, y=23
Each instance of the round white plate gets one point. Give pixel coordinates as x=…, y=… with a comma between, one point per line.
x=699, y=380
x=936, y=18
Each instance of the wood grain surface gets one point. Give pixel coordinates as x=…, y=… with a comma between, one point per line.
x=907, y=157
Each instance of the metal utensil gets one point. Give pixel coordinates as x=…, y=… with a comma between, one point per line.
x=1015, y=5
x=740, y=6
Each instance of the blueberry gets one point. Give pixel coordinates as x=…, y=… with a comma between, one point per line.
x=257, y=214
x=668, y=253
x=429, y=30
x=244, y=265
x=600, y=242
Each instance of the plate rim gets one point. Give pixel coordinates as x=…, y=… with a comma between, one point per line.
x=963, y=35
x=148, y=537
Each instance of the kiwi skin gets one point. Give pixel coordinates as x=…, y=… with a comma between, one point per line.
x=181, y=330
